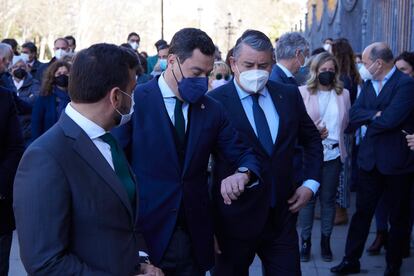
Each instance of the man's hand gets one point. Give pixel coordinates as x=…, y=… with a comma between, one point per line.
x=150, y=270
x=410, y=140
x=324, y=133
x=233, y=186
x=300, y=199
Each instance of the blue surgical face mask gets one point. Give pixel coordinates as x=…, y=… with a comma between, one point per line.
x=191, y=89
x=163, y=64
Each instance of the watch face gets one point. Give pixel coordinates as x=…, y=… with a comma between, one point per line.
x=243, y=170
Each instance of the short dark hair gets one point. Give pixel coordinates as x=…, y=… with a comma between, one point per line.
x=255, y=39
x=98, y=69
x=160, y=43
x=133, y=34
x=69, y=37
x=31, y=46
x=381, y=52
x=186, y=40
x=162, y=47
x=12, y=42
x=407, y=57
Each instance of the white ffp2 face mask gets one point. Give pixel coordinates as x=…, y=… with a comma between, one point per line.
x=125, y=118
x=134, y=45
x=253, y=80
x=365, y=73
x=60, y=53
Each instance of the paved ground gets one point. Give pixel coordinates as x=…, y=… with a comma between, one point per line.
x=371, y=265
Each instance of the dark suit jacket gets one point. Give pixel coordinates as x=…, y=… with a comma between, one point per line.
x=73, y=215
x=164, y=182
x=11, y=150
x=34, y=69
x=384, y=145
x=277, y=75
x=246, y=217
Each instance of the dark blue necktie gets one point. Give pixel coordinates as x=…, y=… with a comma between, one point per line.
x=262, y=128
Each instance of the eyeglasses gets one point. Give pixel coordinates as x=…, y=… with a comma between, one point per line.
x=220, y=76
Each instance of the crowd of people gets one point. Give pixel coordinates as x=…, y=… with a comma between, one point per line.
x=113, y=162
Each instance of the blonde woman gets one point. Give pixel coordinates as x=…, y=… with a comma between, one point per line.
x=328, y=104
x=220, y=75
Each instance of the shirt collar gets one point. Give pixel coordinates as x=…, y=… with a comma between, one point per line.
x=389, y=75
x=92, y=129
x=285, y=70
x=243, y=94
x=165, y=89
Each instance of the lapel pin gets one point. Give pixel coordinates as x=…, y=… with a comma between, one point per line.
x=203, y=106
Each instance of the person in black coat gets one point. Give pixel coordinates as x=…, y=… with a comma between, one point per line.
x=29, y=50
x=11, y=150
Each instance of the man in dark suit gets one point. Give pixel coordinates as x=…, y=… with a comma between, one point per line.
x=11, y=150
x=291, y=52
x=60, y=49
x=270, y=117
x=173, y=132
x=76, y=200
x=386, y=164
x=30, y=49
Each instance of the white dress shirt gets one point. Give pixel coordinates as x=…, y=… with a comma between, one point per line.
x=169, y=100
x=272, y=118
x=93, y=130
x=285, y=70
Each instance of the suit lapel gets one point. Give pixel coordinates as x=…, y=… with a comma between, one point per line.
x=240, y=119
x=389, y=86
x=278, y=102
x=154, y=106
x=87, y=150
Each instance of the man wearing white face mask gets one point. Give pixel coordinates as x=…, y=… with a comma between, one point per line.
x=386, y=164
x=60, y=49
x=77, y=211
x=270, y=117
x=134, y=39
x=292, y=49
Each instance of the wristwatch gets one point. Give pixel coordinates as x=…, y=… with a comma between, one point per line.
x=244, y=170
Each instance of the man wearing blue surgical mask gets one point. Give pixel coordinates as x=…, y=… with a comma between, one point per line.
x=271, y=117
x=161, y=64
x=174, y=129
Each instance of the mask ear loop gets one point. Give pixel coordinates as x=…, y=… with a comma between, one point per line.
x=179, y=67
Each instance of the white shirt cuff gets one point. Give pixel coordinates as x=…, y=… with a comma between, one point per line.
x=312, y=184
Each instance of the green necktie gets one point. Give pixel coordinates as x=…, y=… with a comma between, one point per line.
x=179, y=121
x=121, y=166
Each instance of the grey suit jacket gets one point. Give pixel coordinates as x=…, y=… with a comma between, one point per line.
x=73, y=215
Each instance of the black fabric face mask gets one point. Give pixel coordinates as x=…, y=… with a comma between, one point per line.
x=62, y=81
x=326, y=78
x=20, y=73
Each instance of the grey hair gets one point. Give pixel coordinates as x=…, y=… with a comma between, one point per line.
x=381, y=52
x=287, y=45
x=255, y=39
x=6, y=51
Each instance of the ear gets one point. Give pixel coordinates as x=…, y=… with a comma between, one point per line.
x=171, y=59
x=114, y=97
x=233, y=64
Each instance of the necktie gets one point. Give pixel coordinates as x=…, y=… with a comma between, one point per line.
x=179, y=121
x=121, y=166
x=262, y=128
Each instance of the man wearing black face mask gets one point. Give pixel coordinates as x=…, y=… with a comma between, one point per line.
x=174, y=130
x=28, y=90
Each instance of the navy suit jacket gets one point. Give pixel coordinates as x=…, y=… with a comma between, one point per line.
x=165, y=183
x=11, y=150
x=73, y=215
x=246, y=217
x=277, y=75
x=384, y=146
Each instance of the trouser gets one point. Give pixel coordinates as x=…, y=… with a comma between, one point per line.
x=178, y=259
x=327, y=198
x=5, y=247
x=372, y=186
x=277, y=247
